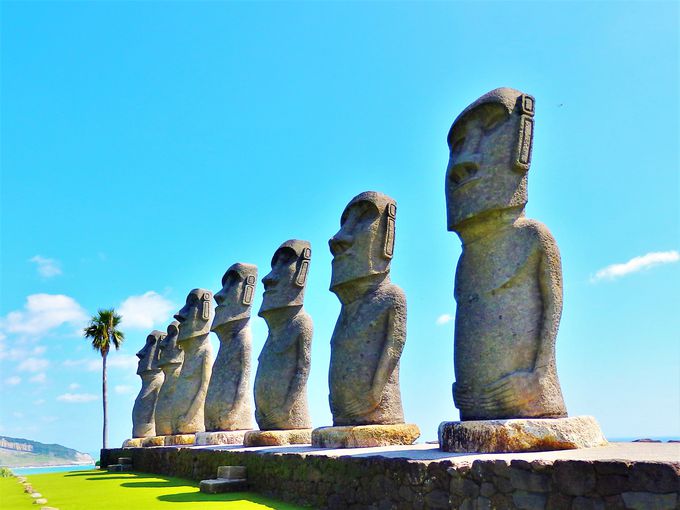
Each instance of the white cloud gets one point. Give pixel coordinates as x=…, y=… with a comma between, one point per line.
x=636, y=264
x=143, y=312
x=42, y=313
x=13, y=381
x=77, y=398
x=124, y=361
x=123, y=389
x=39, y=402
x=18, y=414
x=39, y=378
x=33, y=365
x=47, y=268
x=73, y=386
x=444, y=319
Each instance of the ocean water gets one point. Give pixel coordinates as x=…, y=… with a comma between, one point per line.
x=50, y=469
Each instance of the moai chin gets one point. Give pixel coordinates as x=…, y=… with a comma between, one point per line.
x=228, y=401
x=369, y=335
x=169, y=361
x=192, y=385
x=283, y=368
x=508, y=286
x=143, y=411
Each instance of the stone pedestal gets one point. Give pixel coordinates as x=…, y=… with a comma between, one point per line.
x=154, y=441
x=277, y=437
x=365, y=436
x=220, y=437
x=520, y=435
x=136, y=442
x=180, y=440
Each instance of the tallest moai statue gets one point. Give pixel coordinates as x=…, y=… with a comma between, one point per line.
x=508, y=285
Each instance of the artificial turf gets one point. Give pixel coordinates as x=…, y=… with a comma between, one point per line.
x=101, y=490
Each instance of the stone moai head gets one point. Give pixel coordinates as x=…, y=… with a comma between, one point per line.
x=170, y=353
x=489, y=156
x=195, y=317
x=236, y=297
x=364, y=245
x=285, y=284
x=148, y=356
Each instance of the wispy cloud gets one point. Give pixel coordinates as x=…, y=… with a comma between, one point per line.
x=123, y=389
x=39, y=378
x=43, y=313
x=77, y=398
x=124, y=361
x=444, y=319
x=636, y=264
x=33, y=365
x=73, y=386
x=145, y=311
x=47, y=268
x=13, y=381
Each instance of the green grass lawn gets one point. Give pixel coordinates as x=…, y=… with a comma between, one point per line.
x=101, y=490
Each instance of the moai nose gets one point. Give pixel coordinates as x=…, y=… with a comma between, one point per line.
x=339, y=243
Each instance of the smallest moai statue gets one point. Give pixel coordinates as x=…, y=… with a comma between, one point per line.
x=143, y=412
x=194, y=319
x=228, y=403
x=281, y=380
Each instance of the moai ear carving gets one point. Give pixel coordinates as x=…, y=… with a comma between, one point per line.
x=526, y=133
x=249, y=290
x=206, y=305
x=304, y=267
x=391, y=211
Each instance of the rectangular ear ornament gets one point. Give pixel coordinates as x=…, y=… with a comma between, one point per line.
x=524, y=143
x=302, y=274
x=206, y=310
x=389, y=235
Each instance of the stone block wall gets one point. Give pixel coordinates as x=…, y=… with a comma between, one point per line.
x=379, y=483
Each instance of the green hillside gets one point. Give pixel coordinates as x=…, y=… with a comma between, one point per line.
x=18, y=452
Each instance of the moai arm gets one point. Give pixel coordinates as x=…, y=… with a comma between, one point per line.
x=198, y=400
x=550, y=281
x=297, y=385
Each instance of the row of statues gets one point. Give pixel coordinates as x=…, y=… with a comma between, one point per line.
x=508, y=291
x=183, y=394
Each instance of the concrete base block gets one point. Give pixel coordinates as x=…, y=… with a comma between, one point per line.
x=220, y=437
x=218, y=485
x=119, y=468
x=520, y=435
x=277, y=437
x=180, y=440
x=232, y=472
x=365, y=436
x=135, y=442
x=153, y=441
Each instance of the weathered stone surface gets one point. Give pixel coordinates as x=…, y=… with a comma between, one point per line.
x=188, y=401
x=180, y=440
x=649, y=501
x=522, y=435
x=228, y=403
x=283, y=368
x=277, y=437
x=221, y=437
x=370, y=333
x=137, y=442
x=154, y=441
x=362, y=436
x=218, y=485
x=232, y=472
x=143, y=411
x=508, y=285
x=170, y=362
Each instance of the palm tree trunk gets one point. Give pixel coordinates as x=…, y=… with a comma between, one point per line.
x=105, y=428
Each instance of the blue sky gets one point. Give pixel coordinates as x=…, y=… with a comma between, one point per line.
x=148, y=146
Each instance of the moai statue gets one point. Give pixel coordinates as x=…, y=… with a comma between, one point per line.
x=170, y=362
x=143, y=412
x=283, y=368
x=228, y=401
x=192, y=385
x=508, y=286
x=370, y=333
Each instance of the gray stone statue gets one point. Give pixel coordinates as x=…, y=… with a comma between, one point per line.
x=192, y=385
x=370, y=332
x=170, y=362
x=228, y=401
x=508, y=285
x=283, y=369
x=143, y=424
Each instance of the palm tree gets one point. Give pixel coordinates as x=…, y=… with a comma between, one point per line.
x=102, y=330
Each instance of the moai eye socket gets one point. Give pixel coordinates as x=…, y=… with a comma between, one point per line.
x=457, y=144
x=493, y=120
